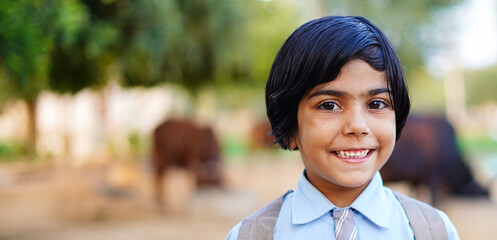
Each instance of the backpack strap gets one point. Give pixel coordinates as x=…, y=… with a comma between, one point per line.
x=260, y=225
x=424, y=219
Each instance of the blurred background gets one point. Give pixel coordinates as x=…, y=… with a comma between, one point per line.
x=84, y=83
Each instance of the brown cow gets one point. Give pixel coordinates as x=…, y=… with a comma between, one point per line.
x=427, y=153
x=260, y=136
x=182, y=144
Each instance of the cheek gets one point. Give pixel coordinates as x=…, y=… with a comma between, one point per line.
x=310, y=129
x=388, y=132
x=385, y=128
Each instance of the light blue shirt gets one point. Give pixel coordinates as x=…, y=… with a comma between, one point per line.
x=305, y=214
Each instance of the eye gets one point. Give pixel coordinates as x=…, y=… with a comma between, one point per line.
x=377, y=104
x=328, y=106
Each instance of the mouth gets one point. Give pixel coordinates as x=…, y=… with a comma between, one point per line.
x=356, y=155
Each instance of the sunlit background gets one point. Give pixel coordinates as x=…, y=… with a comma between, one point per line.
x=84, y=83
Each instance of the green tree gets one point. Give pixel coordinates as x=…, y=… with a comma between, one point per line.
x=66, y=46
x=186, y=42
x=27, y=30
x=82, y=58
x=148, y=42
x=262, y=31
x=145, y=43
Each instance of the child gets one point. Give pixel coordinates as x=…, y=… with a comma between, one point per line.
x=336, y=93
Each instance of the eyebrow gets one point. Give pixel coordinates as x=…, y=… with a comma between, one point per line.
x=377, y=91
x=337, y=93
x=327, y=92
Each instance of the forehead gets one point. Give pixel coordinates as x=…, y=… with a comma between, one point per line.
x=355, y=76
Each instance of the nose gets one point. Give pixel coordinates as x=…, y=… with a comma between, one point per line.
x=356, y=123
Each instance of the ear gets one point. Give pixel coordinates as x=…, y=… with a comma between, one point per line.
x=292, y=143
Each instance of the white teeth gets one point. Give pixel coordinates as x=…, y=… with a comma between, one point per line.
x=352, y=154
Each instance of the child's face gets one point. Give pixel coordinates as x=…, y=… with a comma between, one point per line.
x=346, y=128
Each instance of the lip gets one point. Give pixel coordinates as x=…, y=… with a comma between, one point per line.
x=355, y=160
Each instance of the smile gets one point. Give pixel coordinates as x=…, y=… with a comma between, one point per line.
x=353, y=154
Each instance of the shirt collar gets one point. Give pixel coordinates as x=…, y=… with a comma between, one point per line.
x=309, y=203
x=373, y=203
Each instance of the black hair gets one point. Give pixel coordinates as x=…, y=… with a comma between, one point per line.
x=315, y=53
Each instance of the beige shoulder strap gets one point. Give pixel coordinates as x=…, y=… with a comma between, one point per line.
x=260, y=225
x=424, y=219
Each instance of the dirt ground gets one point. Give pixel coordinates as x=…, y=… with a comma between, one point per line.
x=113, y=201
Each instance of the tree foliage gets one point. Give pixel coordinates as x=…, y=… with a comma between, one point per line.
x=265, y=26
x=208, y=28
x=145, y=42
x=68, y=45
x=24, y=44
x=81, y=56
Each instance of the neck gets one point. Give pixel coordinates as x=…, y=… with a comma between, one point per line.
x=340, y=196
x=343, y=197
